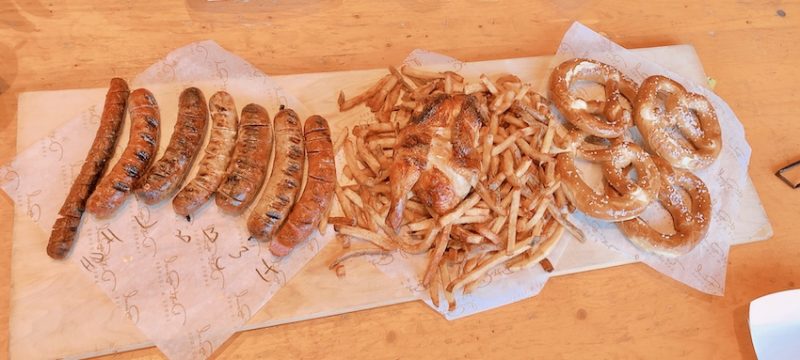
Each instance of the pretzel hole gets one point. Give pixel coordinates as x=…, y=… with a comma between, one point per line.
x=657, y=217
x=589, y=95
x=683, y=123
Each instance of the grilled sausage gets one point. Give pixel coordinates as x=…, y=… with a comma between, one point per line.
x=209, y=176
x=167, y=174
x=318, y=193
x=248, y=166
x=136, y=158
x=66, y=226
x=284, y=183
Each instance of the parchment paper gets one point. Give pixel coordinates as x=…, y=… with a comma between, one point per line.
x=499, y=286
x=188, y=285
x=704, y=267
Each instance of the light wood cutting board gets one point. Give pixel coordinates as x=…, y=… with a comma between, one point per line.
x=57, y=312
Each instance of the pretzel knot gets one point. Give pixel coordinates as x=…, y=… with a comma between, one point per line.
x=690, y=216
x=606, y=119
x=663, y=106
x=634, y=195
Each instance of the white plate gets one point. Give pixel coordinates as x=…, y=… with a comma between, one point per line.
x=775, y=325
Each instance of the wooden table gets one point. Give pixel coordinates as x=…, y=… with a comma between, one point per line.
x=620, y=312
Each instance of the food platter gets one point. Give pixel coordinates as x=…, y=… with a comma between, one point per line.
x=318, y=94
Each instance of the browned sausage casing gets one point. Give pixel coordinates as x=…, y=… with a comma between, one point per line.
x=167, y=174
x=211, y=172
x=284, y=183
x=137, y=156
x=318, y=193
x=66, y=226
x=248, y=166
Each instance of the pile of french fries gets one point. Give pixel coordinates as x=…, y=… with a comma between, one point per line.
x=513, y=217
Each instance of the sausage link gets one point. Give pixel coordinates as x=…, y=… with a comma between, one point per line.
x=66, y=226
x=318, y=193
x=167, y=174
x=284, y=183
x=211, y=172
x=249, y=162
x=136, y=158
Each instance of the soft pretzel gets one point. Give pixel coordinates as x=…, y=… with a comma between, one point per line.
x=691, y=217
x=606, y=119
x=634, y=195
x=661, y=105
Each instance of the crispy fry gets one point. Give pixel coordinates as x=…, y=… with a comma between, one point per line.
x=345, y=105
x=491, y=262
x=472, y=88
x=466, y=204
x=369, y=159
x=511, y=241
x=323, y=221
x=352, y=162
x=435, y=288
x=533, y=153
x=356, y=253
x=344, y=203
x=541, y=207
x=423, y=245
x=541, y=252
x=548, y=137
x=547, y=266
x=471, y=219
x=372, y=128
x=448, y=294
x=376, y=102
x=489, y=198
x=488, y=234
x=421, y=74
x=490, y=86
x=341, y=220
x=340, y=140
x=438, y=251
x=511, y=139
x=407, y=84
x=380, y=240
x=487, y=154
x=559, y=217
x=388, y=106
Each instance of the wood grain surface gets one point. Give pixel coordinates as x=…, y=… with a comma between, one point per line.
x=628, y=311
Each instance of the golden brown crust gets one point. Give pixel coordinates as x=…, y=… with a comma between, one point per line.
x=635, y=195
x=211, y=172
x=608, y=119
x=284, y=183
x=457, y=115
x=663, y=104
x=316, y=199
x=691, y=216
x=248, y=166
x=167, y=174
x=136, y=158
x=101, y=151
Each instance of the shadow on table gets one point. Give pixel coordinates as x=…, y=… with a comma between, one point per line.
x=740, y=325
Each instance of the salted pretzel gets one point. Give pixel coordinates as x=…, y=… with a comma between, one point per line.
x=634, y=195
x=662, y=105
x=690, y=216
x=606, y=119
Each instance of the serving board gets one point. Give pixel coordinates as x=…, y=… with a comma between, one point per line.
x=58, y=312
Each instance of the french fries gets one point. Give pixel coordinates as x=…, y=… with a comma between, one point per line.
x=514, y=214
